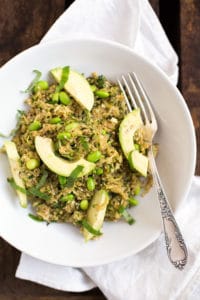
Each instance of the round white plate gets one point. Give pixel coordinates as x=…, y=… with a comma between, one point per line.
x=62, y=243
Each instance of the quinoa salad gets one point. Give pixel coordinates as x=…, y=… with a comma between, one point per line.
x=97, y=182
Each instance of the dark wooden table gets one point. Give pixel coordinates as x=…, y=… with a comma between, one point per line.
x=22, y=24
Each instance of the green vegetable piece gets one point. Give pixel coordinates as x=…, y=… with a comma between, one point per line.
x=129, y=219
x=64, y=78
x=137, y=146
x=99, y=171
x=94, y=156
x=73, y=176
x=63, y=135
x=67, y=198
x=89, y=228
x=84, y=204
x=36, y=192
x=36, y=125
x=90, y=184
x=101, y=80
x=71, y=126
x=35, y=80
x=102, y=94
x=137, y=190
x=62, y=180
x=55, y=97
x=35, y=218
x=42, y=180
x=103, y=132
x=40, y=85
x=55, y=120
x=64, y=98
x=133, y=201
x=32, y=163
x=93, y=87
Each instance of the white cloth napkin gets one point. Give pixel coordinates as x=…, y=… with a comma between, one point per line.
x=147, y=275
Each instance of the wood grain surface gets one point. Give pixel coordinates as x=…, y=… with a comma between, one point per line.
x=22, y=24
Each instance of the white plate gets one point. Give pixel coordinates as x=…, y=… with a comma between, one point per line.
x=62, y=243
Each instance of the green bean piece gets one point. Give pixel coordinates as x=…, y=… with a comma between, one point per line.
x=94, y=156
x=67, y=198
x=55, y=97
x=41, y=85
x=32, y=163
x=137, y=190
x=63, y=135
x=62, y=180
x=64, y=98
x=102, y=94
x=71, y=126
x=90, y=184
x=99, y=171
x=36, y=125
x=55, y=120
x=93, y=87
x=133, y=201
x=84, y=204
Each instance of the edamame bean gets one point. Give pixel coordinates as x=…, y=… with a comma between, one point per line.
x=62, y=179
x=90, y=184
x=64, y=98
x=32, y=163
x=137, y=190
x=71, y=126
x=36, y=125
x=94, y=156
x=55, y=97
x=63, y=135
x=93, y=87
x=84, y=204
x=102, y=94
x=67, y=198
x=99, y=171
x=55, y=120
x=41, y=85
x=133, y=201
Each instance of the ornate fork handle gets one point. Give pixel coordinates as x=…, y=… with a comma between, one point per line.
x=175, y=245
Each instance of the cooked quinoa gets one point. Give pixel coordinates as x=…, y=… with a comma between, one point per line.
x=93, y=131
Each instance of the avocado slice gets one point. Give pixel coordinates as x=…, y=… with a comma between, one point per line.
x=58, y=165
x=96, y=212
x=139, y=162
x=77, y=86
x=14, y=161
x=127, y=129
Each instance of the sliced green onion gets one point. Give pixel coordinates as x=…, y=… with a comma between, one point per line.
x=16, y=186
x=35, y=218
x=36, y=192
x=64, y=78
x=42, y=180
x=35, y=80
x=89, y=228
x=74, y=174
x=62, y=179
x=129, y=219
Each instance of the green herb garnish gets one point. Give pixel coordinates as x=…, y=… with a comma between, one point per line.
x=64, y=78
x=101, y=81
x=35, y=218
x=73, y=176
x=89, y=228
x=35, y=80
x=84, y=143
x=33, y=191
x=42, y=180
x=129, y=219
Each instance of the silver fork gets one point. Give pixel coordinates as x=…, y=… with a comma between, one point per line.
x=136, y=97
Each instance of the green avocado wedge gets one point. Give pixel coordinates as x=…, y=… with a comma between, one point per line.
x=77, y=86
x=127, y=129
x=96, y=213
x=14, y=161
x=58, y=165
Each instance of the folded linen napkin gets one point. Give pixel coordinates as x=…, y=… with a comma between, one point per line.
x=133, y=23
